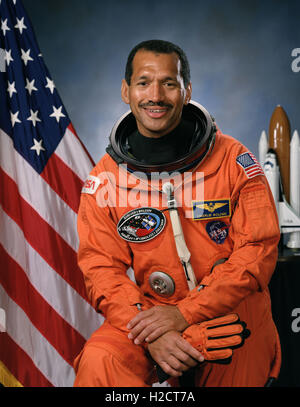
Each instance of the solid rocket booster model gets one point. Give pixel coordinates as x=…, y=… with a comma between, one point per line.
x=280, y=159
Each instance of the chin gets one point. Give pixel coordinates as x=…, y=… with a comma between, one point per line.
x=159, y=127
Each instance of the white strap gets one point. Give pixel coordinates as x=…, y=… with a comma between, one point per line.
x=182, y=249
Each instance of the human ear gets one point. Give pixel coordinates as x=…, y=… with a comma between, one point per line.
x=125, y=91
x=188, y=95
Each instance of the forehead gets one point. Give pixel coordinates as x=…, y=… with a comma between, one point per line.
x=144, y=61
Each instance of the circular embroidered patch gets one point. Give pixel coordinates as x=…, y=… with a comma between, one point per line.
x=141, y=225
x=217, y=231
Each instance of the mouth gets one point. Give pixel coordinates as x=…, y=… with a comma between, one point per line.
x=156, y=112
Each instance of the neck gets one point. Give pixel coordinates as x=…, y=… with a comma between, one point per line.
x=165, y=148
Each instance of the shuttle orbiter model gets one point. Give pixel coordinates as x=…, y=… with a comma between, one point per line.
x=280, y=158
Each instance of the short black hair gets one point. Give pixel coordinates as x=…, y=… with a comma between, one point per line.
x=160, y=47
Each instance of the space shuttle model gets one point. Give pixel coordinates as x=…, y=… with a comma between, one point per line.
x=279, y=155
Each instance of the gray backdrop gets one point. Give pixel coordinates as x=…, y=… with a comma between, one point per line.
x=240, y=54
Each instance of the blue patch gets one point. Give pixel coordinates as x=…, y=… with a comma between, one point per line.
x=217, y=231
x=214, y=209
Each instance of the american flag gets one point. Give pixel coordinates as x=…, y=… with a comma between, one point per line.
x=250, y=165
x=43, y=165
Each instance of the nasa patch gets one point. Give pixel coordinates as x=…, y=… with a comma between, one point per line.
x=141, y=225
x=217, y=231
x=91, y=185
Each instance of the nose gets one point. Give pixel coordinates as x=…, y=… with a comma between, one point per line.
x=156, y=92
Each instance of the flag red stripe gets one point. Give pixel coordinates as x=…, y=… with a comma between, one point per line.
x=71, y=128
x=20, y=364
x=41, y=236
x=255, y=173
x=63, y=181
x=254, y=170
x=64, y=338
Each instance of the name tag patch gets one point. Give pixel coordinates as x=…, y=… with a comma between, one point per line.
x=141, y=225
x=214, y=209
x=91, y=185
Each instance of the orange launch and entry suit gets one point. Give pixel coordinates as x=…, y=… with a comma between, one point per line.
x=232, y=234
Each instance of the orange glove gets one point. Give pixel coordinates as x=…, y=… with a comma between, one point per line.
x=216, y=338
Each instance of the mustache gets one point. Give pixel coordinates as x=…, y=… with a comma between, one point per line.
x=151, y=104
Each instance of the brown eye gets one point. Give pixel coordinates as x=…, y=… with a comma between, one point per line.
x=170, y=84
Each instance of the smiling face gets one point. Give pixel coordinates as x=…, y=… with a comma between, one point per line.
x=156, y=93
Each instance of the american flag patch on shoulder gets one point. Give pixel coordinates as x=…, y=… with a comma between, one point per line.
x=250, y=165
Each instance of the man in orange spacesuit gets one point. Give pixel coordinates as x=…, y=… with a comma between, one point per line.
x=177, y=229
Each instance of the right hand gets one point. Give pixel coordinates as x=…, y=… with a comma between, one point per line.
x=216, y=338
x=174, y=354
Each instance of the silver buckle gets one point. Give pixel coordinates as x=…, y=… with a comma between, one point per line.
x=162, y=284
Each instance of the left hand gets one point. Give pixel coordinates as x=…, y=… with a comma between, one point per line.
x=174, y=354
x=156, y=321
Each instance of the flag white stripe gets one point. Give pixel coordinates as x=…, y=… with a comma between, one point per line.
x=43, y=355
x=50, y=285
x=78, y=161
x=38, y=193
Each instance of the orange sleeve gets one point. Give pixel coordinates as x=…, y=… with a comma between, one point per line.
x=104, y=259
x=255, y=234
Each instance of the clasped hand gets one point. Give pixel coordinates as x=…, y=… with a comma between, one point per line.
x=161, y=328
